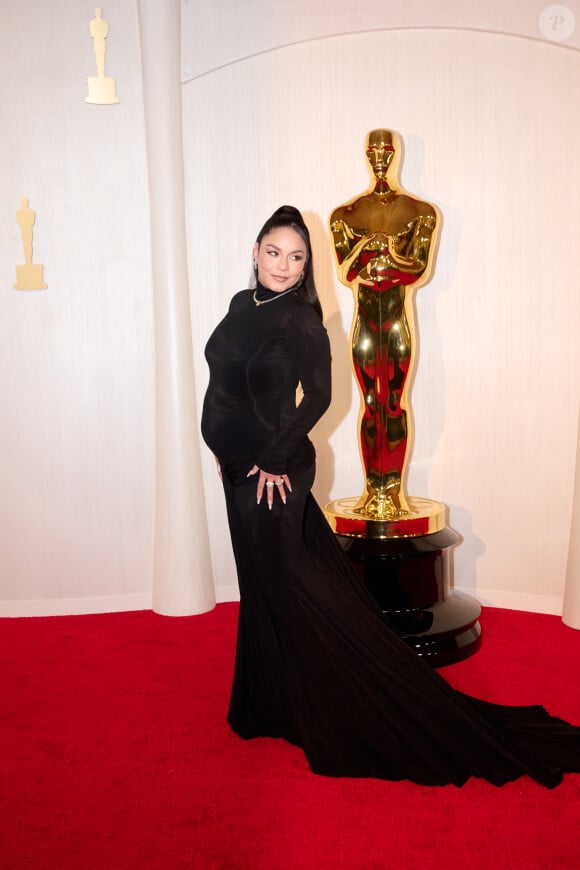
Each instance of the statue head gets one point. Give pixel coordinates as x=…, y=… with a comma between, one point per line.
x=380, y=150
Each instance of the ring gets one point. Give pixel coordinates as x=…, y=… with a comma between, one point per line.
x=269, y=483
x=278, y=482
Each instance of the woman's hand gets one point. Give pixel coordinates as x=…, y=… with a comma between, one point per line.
x=270, y=482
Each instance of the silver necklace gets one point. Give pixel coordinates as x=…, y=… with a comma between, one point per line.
x=259, y=302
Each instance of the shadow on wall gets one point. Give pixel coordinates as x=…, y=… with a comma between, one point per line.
x=464, y=562
x=425, y=304
x=342, y=375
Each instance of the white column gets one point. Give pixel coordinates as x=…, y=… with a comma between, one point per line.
x=182, y=578
x=571, y=608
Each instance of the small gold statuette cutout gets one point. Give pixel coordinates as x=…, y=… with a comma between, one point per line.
x=101, y=87
x=29, y=276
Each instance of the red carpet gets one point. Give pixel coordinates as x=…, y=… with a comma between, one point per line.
x=114, y=753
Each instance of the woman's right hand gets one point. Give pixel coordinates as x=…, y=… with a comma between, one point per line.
x=270, y=482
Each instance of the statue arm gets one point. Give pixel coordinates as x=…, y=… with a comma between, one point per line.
x=343, y=238
x=410, y=249
x=349, y=242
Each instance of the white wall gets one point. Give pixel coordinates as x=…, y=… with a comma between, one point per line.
x=76, y=362
x=492, y=133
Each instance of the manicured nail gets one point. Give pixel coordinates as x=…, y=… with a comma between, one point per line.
x=257, y=501
x=269, y=507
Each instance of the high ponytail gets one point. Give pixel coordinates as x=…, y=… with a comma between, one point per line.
x=288, y=216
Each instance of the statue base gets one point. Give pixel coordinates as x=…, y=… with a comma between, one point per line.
x=30, y=277
x=102, y=91
x=407, y=570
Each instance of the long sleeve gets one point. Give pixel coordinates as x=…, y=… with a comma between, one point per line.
x=308, y=346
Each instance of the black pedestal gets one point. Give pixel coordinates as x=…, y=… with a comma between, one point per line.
x=409, y=579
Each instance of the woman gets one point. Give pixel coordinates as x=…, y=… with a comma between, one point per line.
x=316, y=663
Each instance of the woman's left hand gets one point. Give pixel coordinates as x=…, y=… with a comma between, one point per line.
x=270, y=482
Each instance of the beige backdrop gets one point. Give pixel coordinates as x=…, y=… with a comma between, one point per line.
x=76, y=364
x=491, y=132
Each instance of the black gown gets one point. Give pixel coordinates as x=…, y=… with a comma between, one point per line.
x=316, y=663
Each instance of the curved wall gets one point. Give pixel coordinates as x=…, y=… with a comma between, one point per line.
x=491, y=134
x=223, y=32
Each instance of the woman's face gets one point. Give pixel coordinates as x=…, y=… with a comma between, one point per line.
x=280, y=257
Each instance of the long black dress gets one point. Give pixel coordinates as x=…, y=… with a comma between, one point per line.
x=316, y=663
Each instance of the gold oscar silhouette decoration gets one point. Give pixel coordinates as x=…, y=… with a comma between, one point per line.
x=30, y=275
x=384, y=241
x=101, y=87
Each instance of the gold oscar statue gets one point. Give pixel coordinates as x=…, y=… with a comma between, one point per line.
x=29, y=276
x=101, y=87
x=384, y=241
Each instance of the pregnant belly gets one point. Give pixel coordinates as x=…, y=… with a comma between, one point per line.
x=233, y=433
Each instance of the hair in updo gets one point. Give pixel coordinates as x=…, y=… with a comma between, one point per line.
x=288, y=216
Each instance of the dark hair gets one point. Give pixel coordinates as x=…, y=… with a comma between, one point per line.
x=288, y=216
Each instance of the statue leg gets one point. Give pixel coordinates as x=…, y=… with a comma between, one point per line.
x=381, y=356
x=27, y=244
